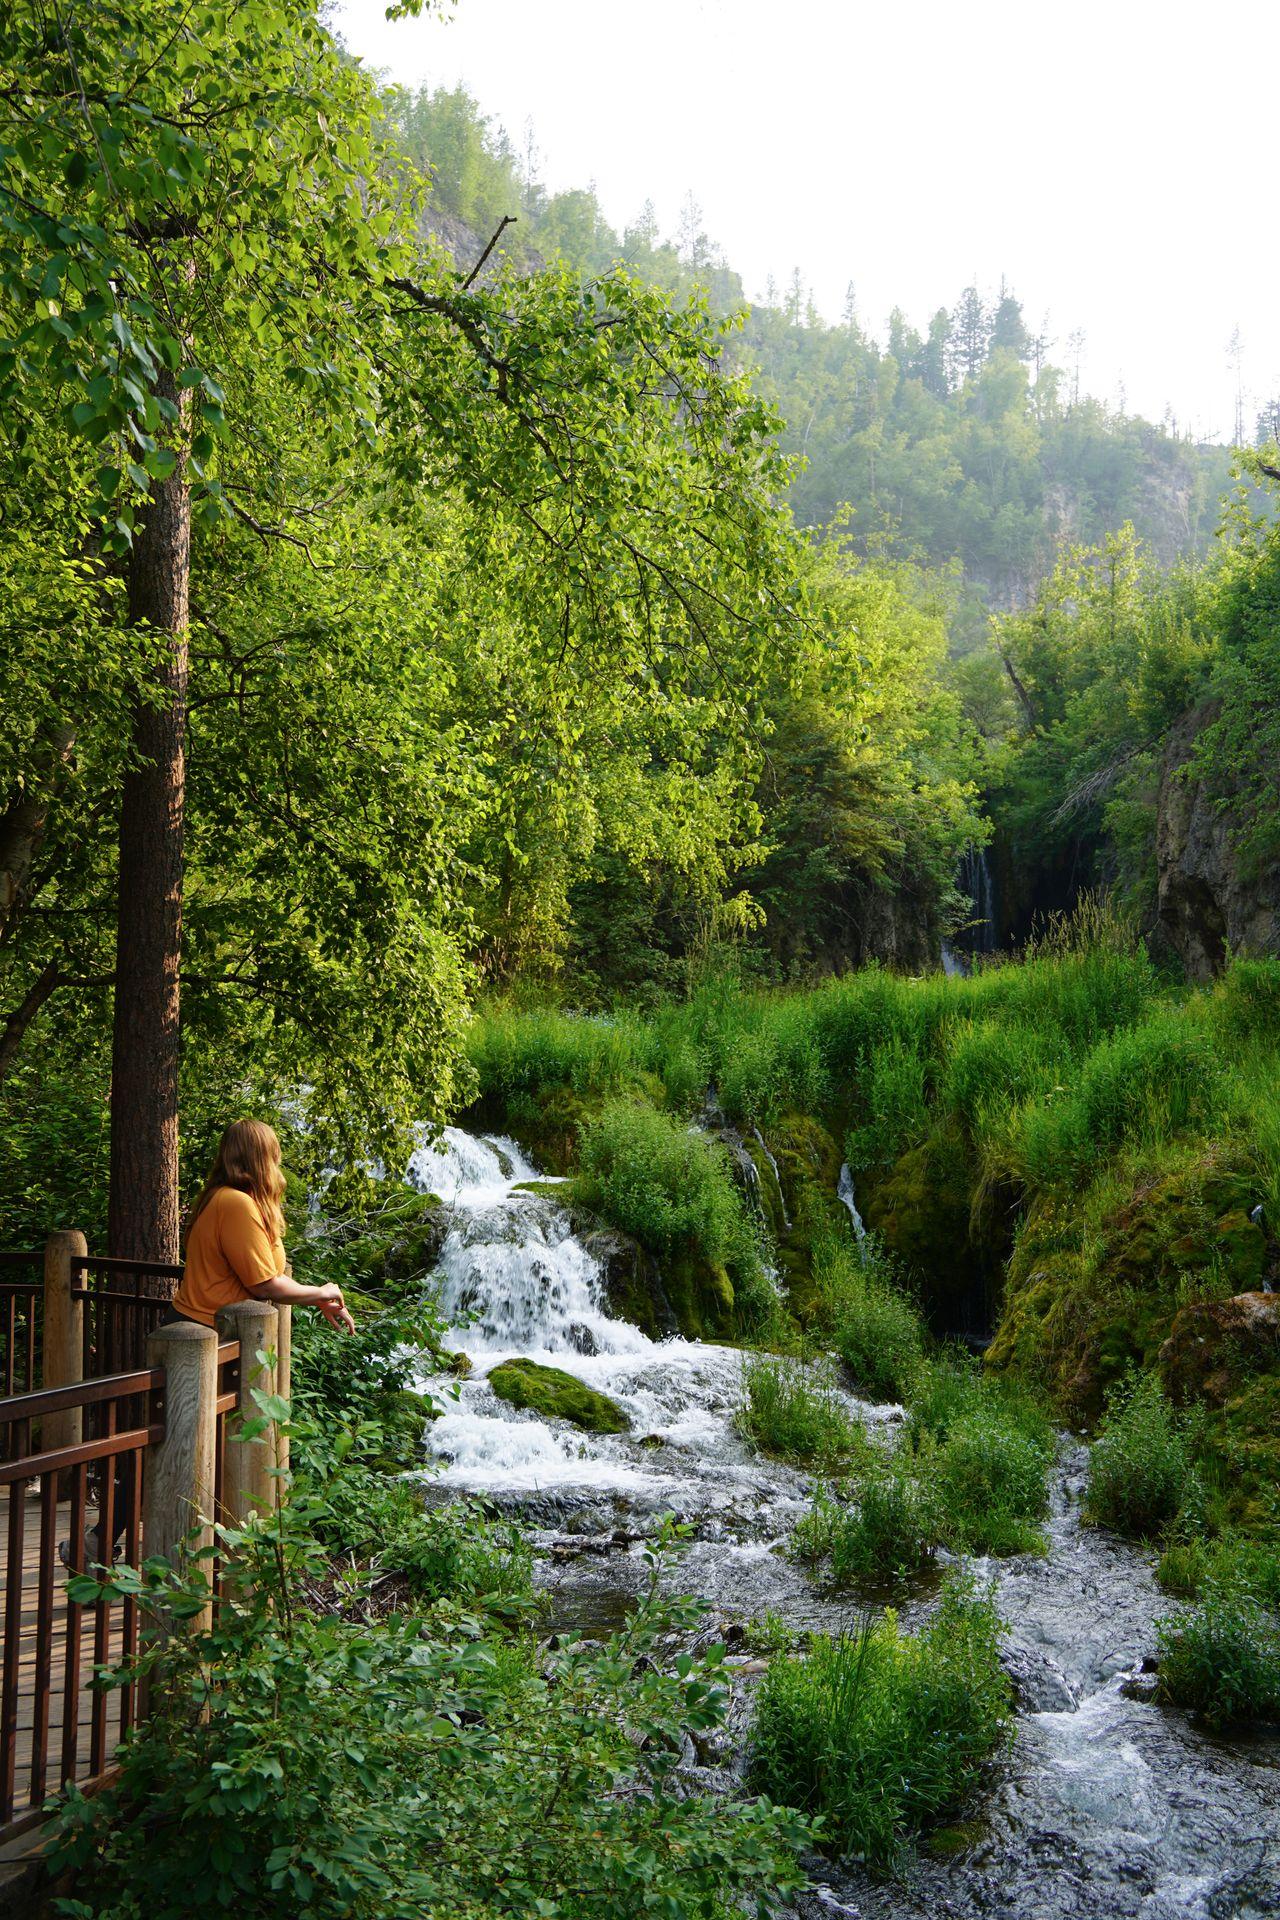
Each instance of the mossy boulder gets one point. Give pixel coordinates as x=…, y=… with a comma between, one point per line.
x=1216, y=1346
x=808, y=1161
x=1095, y=1284
x=557, y=1396
x=701, y=1294
x=922, y=1208
x=630, y=1278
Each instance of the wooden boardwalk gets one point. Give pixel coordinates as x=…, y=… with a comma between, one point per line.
x=55, y=1681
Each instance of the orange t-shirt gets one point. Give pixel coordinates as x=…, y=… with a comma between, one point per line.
x=230, y=1253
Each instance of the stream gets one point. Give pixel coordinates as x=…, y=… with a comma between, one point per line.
x=1105, y=1805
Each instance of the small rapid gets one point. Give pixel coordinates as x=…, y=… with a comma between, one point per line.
x=1106, y=1804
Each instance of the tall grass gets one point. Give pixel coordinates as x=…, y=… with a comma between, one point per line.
x=863, y=1307
x=1142, y=1465
x=791, y=1410
x=881, y=1731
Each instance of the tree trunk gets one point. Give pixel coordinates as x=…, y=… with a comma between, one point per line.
x=143, y=1213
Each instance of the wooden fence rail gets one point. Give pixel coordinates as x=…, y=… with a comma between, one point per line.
x=102, y=1465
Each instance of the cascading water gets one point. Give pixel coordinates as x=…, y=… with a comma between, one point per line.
x=1106, y=1806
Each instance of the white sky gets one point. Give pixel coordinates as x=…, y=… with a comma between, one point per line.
x=1115, y=161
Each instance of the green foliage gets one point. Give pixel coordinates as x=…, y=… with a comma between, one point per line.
x=882, y=1732
x=873, y=1323
x=408, y=1766
x=652, y=1176
x=888, y=1530
x=991, y=1480
x=1142, y=1463
x=793, y=1411
x=1222, y=1659
x=558, y=1395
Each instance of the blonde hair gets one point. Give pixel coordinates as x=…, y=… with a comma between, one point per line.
x=249, y=1160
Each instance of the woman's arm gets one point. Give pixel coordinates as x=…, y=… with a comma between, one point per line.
x=293, y=1293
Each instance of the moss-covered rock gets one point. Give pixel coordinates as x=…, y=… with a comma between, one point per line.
x=701, y=1294
x=1094, y=1284
x=630, y=1277
x=922, y=1209
x=808, y=1162
x=1216, y=1346
x=557, y=1396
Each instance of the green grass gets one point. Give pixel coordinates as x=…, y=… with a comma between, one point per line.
x=873, y=1323
x=882, y=1732
x=1141, y=1465
x=1222, y=1659
x=651, y=1175
x=790, y=1409
x=885, y=1530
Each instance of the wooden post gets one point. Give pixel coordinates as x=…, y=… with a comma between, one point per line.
x=284, y=1382
x=180, y=1470
x=248, y=1483
x=62, y=1337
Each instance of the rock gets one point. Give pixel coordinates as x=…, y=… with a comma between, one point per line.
x=558, y=1396
x=921, y=1207
x=630, y=1278
x=1210, y=904
x=1082, y=1305
x=1214, y=1346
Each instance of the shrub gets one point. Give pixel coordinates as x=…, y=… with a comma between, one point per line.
x=1233, y=1561
x=991, y=1479
x=302, y=1763
x=1141, y=1463
x=888, y=1532
x=881, y=1732
x=656, y=1178
x=1222, y=1660
x=672, y=1189
x=1149, y=1083
x=531, y=1053
x=896, y=1107
x=874, y=1325
x=793, y=1412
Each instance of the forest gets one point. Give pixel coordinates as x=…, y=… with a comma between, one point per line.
x=741, y=857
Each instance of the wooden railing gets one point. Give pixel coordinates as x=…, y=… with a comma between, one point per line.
x=116, y=1464
x=21, y=1292
x=123, y=1303
x=55, y=1728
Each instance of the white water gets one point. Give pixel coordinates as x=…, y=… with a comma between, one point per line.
x=845, y=1194
x=1107, y=1806
x=516, y=1280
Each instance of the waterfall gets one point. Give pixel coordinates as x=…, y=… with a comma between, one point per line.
x=976, y=880
x=514, y=1278
x=844, y=1193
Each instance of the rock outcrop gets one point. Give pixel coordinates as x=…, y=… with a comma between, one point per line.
x=1215, y=1345
x=1210, y=906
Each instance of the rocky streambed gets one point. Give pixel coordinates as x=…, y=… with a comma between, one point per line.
x=1105, y=1805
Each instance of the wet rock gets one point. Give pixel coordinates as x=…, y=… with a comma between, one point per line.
x=1038, y=1681
x=557, y=1395
x=1212, y=1347
x=630, y=1278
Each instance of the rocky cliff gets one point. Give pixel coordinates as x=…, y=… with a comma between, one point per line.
x=1210, y=906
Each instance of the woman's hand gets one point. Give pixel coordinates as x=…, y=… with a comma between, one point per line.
x=334, y=1308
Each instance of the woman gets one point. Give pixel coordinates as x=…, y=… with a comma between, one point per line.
x=235, y=1251
x=235, y=1237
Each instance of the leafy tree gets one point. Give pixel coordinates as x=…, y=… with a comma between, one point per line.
x=225, y=354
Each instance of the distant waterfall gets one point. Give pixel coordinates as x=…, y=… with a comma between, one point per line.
x=975, y=878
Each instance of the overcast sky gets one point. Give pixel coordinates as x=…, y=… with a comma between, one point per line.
x=1115, y=162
